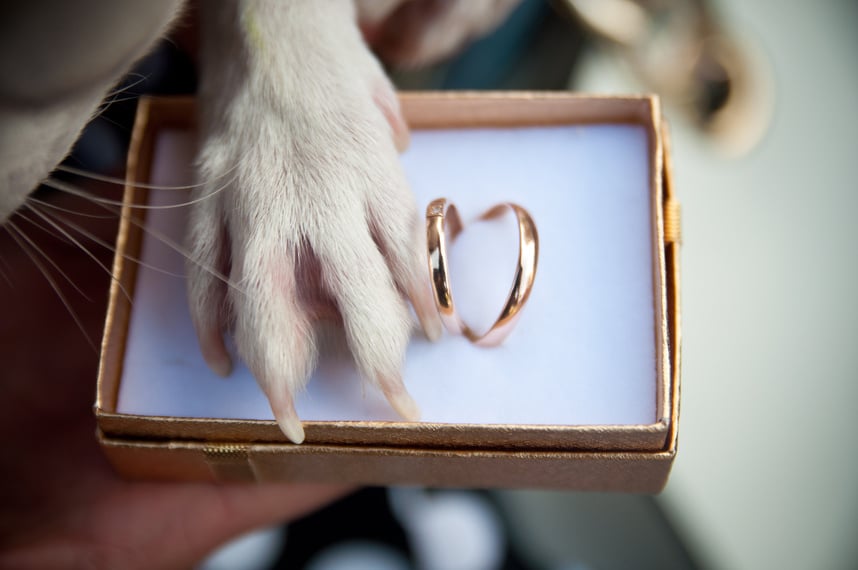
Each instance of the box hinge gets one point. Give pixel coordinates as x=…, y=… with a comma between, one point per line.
x=229, y=462
x=672, y=221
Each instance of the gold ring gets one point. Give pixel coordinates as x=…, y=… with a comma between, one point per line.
x=443, y=218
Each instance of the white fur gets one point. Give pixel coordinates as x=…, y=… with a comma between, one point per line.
x=293, y=115
x=299, y=119
x=57, y=61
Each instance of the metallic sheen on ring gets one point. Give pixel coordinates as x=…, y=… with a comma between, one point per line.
x=443, y=218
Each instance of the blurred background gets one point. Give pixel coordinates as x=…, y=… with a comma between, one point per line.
x=761, y=100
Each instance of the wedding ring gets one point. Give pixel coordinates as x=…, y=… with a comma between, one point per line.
x=442, y=220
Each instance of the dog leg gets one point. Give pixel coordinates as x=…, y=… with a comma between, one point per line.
x=299, y=119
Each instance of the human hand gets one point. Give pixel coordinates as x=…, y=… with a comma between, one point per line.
x=61, y=504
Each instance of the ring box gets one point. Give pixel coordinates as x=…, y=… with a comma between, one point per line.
x=583, y=396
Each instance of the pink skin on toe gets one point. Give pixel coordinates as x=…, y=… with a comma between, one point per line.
x=387, y=101
x=283, y=407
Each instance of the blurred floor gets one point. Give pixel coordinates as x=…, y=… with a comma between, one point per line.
x=406, y=528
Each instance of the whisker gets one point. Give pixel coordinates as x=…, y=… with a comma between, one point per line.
x=91, y=255
x=102, y=117
x=68, y=189
x=47, y=257
x=30, y=198
x=113, y=96
x=10, y=227
x=101, y=242
x=40, y=226
x=121, y=181
x=3, y=273
x=105, y=104
x=109, y=247
x=140, y=79
x=172, y=244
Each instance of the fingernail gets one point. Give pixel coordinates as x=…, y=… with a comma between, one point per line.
x=404, y=404
x=432, y=329
x=402, y=139
x=292, y=428
x=386, y=100
x=430, y=322
x=214, y=350
x=284, y=412
x=220, y=365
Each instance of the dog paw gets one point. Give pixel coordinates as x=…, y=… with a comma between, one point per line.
x=304, y=213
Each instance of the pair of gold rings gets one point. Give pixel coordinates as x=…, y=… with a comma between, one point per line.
x=443, y=217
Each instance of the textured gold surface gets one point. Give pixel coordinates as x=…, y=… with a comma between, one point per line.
x=672, y=225
x=652, y=437
x=605, y=471
x=225, y=452
x=229, y=462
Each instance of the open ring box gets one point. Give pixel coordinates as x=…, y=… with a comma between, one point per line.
x=583, y=395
